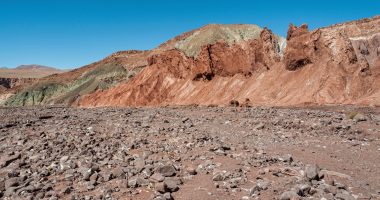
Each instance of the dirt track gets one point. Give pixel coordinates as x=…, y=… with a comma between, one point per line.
x=190, y=153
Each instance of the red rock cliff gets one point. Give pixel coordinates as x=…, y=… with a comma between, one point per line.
x=332, y=65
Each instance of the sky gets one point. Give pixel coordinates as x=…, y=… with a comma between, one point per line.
x=72, y=33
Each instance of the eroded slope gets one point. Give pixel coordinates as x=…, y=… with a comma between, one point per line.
x=332, y=65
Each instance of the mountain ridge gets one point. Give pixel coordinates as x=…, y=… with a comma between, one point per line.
x=202, y=65
x=29, y=71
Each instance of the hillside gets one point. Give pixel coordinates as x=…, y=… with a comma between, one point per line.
x=220, y=64
x=332, y=65
x=118, y=68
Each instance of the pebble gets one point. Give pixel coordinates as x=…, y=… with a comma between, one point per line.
x=262, y=184
x=218, y=176
x=191, y=170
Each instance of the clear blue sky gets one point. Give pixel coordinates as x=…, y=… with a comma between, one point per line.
x=72, y=33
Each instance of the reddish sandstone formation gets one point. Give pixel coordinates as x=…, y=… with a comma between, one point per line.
x=333, y=65
x=172, y=74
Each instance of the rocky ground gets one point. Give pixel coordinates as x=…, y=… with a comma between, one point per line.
x=190, y=153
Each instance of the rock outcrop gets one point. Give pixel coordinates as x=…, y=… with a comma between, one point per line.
x=332, y=65
x=219, y=64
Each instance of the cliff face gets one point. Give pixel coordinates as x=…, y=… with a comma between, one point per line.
x=342, y=62
x=332, y=65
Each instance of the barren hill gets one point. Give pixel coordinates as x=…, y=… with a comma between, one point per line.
x=28, y=71
x=220, y=64
x=66, y=88
x=333, y=65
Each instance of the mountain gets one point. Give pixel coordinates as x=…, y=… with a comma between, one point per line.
x=28, y=71
x=220, y=64
x=120, y=67
x=332, y=65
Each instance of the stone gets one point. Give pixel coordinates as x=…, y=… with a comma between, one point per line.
x=107, y=176
x=86, y=173
x=121, y=183
x=171, y=185
x=118, y=172
x=139, y=165
x=158, y=197
x=90, y=186
x=66, y=190
x=47, y=187
x=168, y=196
x=311, y=172
x=132, y=183
x=260, y=126
x=331, y=189
x=40, y=195
x=44, y=173
x=10, y=191
x=147, y=172
x=191, y=170
x=254, y=190
x=160, y=187
x=64, y=159
x=142, y=182
x=157, y=177
x=29, y=189
x=95, y=167
x=69, y=176
x=218, y=176
x=303, y=189
x=2, y=186
x=13, y=182
x=93, y=178
x=220, y=152
x=167, y=170
x=360, y=117
x=289, y=195
x=10, y=159
x=262, y=184
x=287, y=158
x=344, y=196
